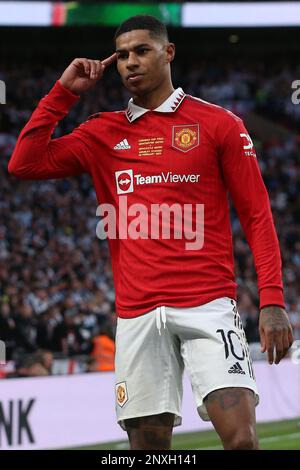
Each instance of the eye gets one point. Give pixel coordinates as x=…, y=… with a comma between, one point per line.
x=122, y=55
x=143, y=50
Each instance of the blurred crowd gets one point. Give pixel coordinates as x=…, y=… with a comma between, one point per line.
x=56, y=286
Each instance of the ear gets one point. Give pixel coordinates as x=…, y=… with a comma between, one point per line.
x=170, y=52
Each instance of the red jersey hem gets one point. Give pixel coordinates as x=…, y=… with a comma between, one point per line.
x=195, y=302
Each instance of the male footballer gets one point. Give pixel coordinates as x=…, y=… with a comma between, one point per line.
x=176, y=302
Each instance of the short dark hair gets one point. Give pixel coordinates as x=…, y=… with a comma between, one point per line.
x=156, y=28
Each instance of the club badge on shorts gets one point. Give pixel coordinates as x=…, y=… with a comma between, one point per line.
x=121, y=393
x=186, y=137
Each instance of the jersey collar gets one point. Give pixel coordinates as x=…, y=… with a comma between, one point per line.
x=134, y=111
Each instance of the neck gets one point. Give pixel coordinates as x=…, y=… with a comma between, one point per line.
x=154, y=98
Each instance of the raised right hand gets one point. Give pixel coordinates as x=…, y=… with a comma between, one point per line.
x=82, y=74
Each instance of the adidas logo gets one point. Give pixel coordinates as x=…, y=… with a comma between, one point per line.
x=236, y=369
x=123, y=145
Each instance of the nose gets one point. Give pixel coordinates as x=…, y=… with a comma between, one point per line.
x=132, y=60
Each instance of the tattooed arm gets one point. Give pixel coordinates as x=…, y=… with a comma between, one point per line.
x=275, y=332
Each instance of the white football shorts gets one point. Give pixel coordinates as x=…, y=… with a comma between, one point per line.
x=152, y=351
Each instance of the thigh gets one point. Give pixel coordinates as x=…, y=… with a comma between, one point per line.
x=148, y=370
x=232, y=412
x=150, y=432
x=219, y=356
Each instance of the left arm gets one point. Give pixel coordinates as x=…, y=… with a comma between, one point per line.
x=250, y=198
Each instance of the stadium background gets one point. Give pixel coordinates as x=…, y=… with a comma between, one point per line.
x=56, y=292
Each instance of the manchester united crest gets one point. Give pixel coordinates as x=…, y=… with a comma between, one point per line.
x=121, y=392
x=185, y=138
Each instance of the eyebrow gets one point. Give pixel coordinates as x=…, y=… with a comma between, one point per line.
x=135, y=47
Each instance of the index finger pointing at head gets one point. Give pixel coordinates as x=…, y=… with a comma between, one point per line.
x=109, y=59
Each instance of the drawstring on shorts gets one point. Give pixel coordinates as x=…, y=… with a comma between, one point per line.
x=160, y=317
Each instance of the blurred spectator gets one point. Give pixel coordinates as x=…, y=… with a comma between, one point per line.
x=104, y=349
x=26, y=329
x=7, y=330
x=45, y=358
x=92, y=365
x=34, y=365
x=294, y=315
x=249, y=315
x=68, y=338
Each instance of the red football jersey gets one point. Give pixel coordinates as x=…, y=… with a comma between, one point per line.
x=186, y=152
